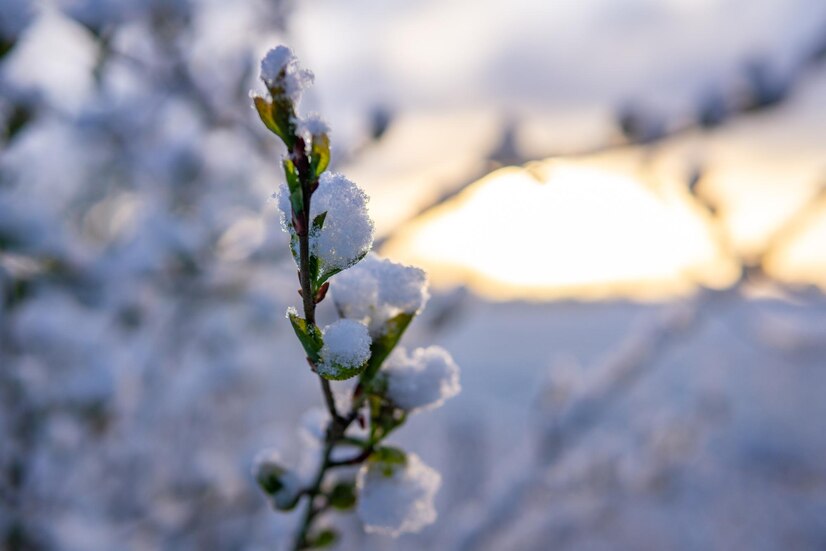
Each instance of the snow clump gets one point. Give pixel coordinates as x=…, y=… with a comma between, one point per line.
x=347, y=233
x=312, y=125
x=377, y=289
x=281, y=485
x=346, y=348
x=280, y=69
x=422, y=380
x=396, y=498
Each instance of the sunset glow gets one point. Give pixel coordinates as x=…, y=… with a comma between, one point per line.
x=580, y=231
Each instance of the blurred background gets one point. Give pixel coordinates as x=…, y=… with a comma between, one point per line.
x=621, y=205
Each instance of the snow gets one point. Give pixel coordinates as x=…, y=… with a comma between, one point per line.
x=378, y=289
x=312, y=125
x=281, y=484
x=347, y=233
x=314, y=425
x=346, y=348
x=399, y=502
x=275, y=61
x=421, y=380
x=279, y=67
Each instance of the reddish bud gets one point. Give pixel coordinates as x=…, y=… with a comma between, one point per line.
x=322, y=292
x=299, y=225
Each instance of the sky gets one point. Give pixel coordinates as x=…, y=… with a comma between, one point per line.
x=460, y=75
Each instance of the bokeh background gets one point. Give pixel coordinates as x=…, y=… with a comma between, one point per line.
x=621, y=204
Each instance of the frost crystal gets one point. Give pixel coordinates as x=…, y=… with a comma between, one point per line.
x=422, y=380
x=280, y=68
x=347, y=233
x=280, y=484
x=377, y=289
x=395, y=498
x=346, y=348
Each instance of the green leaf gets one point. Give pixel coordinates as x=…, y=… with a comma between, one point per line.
x=389, y=454
x=389, y=459
x=294, y=185
x=384, y=344
x=324, y=538
x=264, y=109
x=270, y=482
x=384, y=416
x=285, y=501
x=313, y=265
x=333, y=271
x=294, y=246
x=318, y=221
x=278, y=116
x=341, y=373
x=320, y=154
x=343, y=495
x=308, y=334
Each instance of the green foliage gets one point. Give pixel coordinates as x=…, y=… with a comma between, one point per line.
x=384, y=344
x=284, y=501
x=389, y=454
x=309, y=335
x=278, y=115
x=318, y=222
x=314, y=265
x=343, y=495
x=389, y=459
x=384, y=417
x=327, y=274
x=271, y=482
x=342, y=373
x=325, y=538
x=294, y=185
x=320, y=154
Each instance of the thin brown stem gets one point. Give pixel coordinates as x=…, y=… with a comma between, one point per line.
x=338, y=425
x=356, y=460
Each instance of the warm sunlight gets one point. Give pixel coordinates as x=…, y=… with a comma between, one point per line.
x=579, y=230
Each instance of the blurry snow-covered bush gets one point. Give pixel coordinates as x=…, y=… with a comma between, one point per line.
x=136, y=281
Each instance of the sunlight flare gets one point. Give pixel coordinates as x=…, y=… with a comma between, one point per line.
x=566, y=228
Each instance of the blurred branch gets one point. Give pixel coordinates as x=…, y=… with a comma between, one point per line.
x=638, y=356
x=641, y=128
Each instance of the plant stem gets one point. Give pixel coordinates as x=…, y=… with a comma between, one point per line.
x=298, y=156
x=335, y=434
x=338, y=425
x=311, y=511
